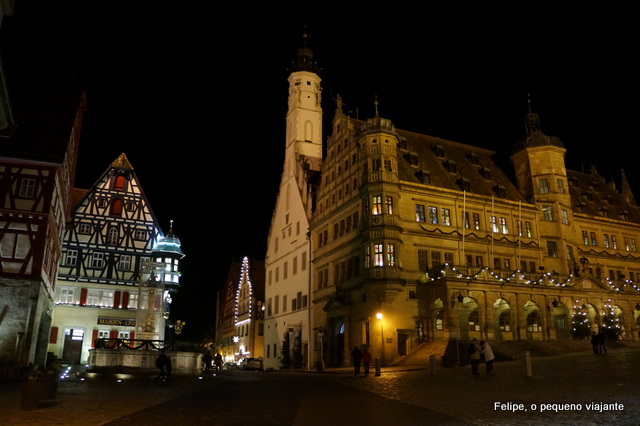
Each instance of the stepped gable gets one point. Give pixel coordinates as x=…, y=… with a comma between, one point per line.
x=592, y=194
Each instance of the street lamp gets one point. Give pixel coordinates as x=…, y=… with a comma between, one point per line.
x=379, y=316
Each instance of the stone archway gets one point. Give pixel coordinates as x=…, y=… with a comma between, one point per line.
x=469, y=319
x=533, y=318
x=560, y=318
x=502, y=320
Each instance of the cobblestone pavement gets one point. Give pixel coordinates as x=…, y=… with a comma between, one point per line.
x=558, y=392
x=578, y=388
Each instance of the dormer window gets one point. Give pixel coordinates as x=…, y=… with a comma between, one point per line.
x=485, y=173
x=473, y=158
x=412, y=158
x=451, y=166
x=438, y=150
x=500, y=191
x=463, y=183
x=424, y=176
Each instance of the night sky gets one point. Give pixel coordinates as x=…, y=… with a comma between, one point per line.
x=196, y=97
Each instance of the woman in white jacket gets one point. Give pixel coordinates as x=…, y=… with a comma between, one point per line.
x=487, y=352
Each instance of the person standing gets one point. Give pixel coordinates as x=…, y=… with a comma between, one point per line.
x=207, y=359
x=163, y=362
x=366, y=361
x=356, y=358
x=488, y=355
x=594, y=343
x=474, y=356
x=218, y=361
x=602, y=349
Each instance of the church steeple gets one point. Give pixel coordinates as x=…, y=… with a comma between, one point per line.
x=304, y=60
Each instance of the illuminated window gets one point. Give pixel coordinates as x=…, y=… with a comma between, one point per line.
x=565, y=217
x=388, y=202
x=420, y=217
x=504, y=322
x=533, y=322
x=446, y=217
x=585, y=238
x=605, y=240
x=378, y=255
x=547, y=212
x=391, y=254
x=433, y=215
x=503, y=226
x=376, y=207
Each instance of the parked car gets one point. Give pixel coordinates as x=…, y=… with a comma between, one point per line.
x=251, y=364
x=230, y=366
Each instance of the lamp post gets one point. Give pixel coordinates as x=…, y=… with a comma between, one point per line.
x=379, y=316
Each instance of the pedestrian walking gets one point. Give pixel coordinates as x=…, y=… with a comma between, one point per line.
x=474, y=356
x=594, y=343
x=602, y=349
x=487, y=352
x=163, y=362
x=366, y=361
x=356, y=358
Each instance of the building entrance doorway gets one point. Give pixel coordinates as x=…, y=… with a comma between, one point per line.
x=72, y=349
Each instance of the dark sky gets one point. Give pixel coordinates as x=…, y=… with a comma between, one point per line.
x=196, y=96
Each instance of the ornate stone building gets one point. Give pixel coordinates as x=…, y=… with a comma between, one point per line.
x=418, y=238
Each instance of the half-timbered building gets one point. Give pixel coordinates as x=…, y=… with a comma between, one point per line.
x=114, y=235
x=38, y=154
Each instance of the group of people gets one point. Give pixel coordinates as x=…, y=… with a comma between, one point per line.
x=360, y=357
x=597, y=342
x=478, y=350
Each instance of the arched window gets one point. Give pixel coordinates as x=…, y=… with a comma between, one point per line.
x=112, y=236
x=474, y=320
x=505, y=321
x=533, y=322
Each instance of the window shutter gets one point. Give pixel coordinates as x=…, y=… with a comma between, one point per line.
x=53, y=337
x=125, y=300
x=93, y=338
x=116, y=299
x=83, y=297
x=113, y=334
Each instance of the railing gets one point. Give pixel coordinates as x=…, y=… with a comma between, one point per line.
x=133, y=344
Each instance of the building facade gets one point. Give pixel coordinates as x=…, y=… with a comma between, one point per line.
x=240, y=312
x=417, y=238
x=289, y=338
x=117, y=270
x=41, y=118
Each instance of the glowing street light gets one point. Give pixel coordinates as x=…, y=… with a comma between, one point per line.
x=379, y=316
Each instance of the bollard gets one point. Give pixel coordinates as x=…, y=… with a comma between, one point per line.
x=377, y=366
x=527, y=363
x=432, y=363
